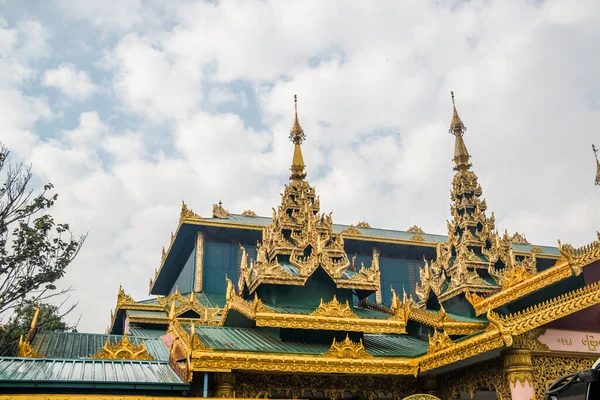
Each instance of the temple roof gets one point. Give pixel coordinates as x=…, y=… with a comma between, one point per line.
x=43, y=372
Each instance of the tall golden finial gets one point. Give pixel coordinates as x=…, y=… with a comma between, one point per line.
x=597, y=165
x=297, y=136
x=457, y=128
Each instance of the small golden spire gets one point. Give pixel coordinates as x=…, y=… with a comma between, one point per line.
x=297, y=136
x=457, y=128
x=597, y=165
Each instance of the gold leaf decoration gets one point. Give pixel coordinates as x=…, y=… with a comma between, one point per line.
x=417, y=238
x=351, y=230
x=439, y=341
x=187, y=212
x=519, y=238
x=26, y=351
x=249, y=213
x=347, y=349
x=219, y=211
x=123, y=350
x=416, y=230
x=363, y=224
x=334, y=308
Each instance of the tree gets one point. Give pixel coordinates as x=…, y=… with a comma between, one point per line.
x=34, y=250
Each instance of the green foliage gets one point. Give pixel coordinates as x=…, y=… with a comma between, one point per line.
x=34, y=250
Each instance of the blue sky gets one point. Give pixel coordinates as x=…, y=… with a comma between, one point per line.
x=130, y=106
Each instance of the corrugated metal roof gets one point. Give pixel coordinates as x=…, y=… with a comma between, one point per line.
x=241, y=339
x=146, y=313
x=394, y=345
x=74, y=345
x=36, y=370
x=145, y=332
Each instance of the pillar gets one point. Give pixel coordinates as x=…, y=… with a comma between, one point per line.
x=519, y=372
x=223, y=384
x=430, y=384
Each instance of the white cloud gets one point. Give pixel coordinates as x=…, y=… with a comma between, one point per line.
x=75, y=84
x=373, y=81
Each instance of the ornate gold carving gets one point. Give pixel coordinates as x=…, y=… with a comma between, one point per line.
x=580, y=257
x=550, y=310
x=199, y=261
x=219, y=212
x=187, y=213
x=469, y=380
x=422, y=396
x=417, y=238
x=123, y=350
x=519, y=238
x=415, y=230
x=347, y=349
x=517, y=366
x=548, y=369
x=334, y=308
x=331, y=386
x=224, y=385
x=597, y=181
x=123, y=298
x=249, y=213
x=439, y=341
x=363, y=224
x=351, y=230
x=530, y=340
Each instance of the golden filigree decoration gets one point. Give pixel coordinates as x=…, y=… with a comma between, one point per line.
x=199, y=262
x=530, y=340
x=334, y=308
x=415, y=230
x=363, y=224
x=123, y=350
x=347, y=349
x=123, y=298
x=219, y=212
x=248, y=213
x=351, y=230
x=417, y=238
x=187, y=213
x=439, y=341
x=517, y=366
x=580, y=257
x=489, y=374
x=519, y=238
x=547, y=369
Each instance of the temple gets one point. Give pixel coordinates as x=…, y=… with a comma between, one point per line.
x=297, y=306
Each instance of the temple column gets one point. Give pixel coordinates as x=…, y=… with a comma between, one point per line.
x=223, y=384
x=519, y=372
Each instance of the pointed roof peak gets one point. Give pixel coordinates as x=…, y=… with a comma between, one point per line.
x=457, y=128
x=297, y=136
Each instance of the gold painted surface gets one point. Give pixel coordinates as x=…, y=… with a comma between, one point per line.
x=580, y=257
x=489, y=375
x=549, y=310
x=530, y=340
x=363, y=224
x=327, y=386
x=439, y=341
x=351, y=231
x=70, y=396
x=219, y=212
x=199, y=262
x=123, y=350
x=25, y=350
x=248, y=213
x=347, y=349
x=548, y=369
x=416, y=230
x=519, y=238
x=334, y=308
x=517, y=366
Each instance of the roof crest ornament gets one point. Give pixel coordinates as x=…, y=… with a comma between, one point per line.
x=297, y=136
x=597, y=182
x=219, y=211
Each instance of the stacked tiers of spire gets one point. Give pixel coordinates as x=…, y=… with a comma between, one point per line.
x=474, y=258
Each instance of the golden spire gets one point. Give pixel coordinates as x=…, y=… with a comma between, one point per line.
x=597, y=165
x=457, y=128
x=297, y=136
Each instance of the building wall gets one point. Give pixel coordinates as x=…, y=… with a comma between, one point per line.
x=185, y=280
x=220, y=260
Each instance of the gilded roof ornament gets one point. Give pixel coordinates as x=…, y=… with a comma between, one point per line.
x=597, y=182
x=334, y=308
x=457, y=127
x=123, y=350
x=439, y=341
x=363, y=224
x=122, y=297
x=347, y=349
x=218, y=211
x=249, y=213
x=187, y=212
x=416, y=230
x=351, y=230
x=25, y=350
x=519, y=238
x=297, y=136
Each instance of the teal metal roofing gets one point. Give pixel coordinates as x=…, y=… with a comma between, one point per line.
x=31, y=372
x=259, y=340
x=374, y=232
x=74, y=345
x=256, y=340
x=211, y=300
x=394, y=345
x=462, y=318
x=146, y=313
x=145, y=332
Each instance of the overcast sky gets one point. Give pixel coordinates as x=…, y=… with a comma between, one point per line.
x=130, y=106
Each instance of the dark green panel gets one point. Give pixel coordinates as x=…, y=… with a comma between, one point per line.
x=186, y=278
x=220, y=260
